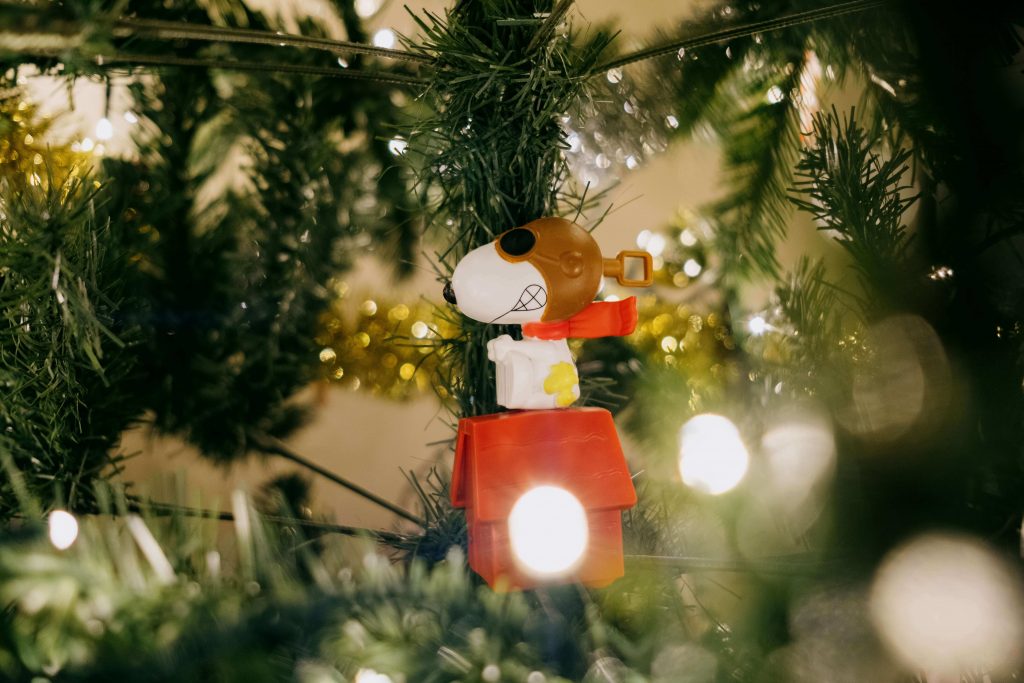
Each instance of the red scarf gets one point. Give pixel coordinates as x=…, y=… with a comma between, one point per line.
x=598, y=319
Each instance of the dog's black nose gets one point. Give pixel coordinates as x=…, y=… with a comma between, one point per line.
x=449, y=293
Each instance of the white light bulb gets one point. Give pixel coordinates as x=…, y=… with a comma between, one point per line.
x=949, y=604
x=656, y=244
x=384, y=38
x=712, y=456
x=63, y=529
x=104, y=129
x=397, y=146
x=548, y=531
x=367, y=8
x=774, y=95
x=371, y=676
x=87, y=144
x=757, y=326
x=131, y=118
x=692, y=268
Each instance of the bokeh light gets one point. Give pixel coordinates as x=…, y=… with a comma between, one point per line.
x=948, y=604
x=104, y=129
x=548, y=531
x=712, y=456
x=371, y=676
x=384, y=38
x=757, y=326
x=63, y=529
x=800, y=455
x=907, y=386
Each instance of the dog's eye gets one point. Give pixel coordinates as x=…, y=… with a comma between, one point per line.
x=517, y=242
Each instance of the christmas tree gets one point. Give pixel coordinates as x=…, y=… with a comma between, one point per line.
x=826, y=450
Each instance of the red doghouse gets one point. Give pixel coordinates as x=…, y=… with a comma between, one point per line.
x=501, y=457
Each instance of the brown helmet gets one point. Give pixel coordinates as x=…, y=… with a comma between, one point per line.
x=570, y=261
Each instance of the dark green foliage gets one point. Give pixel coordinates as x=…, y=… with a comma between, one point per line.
x=67, y=360
x=235, y=272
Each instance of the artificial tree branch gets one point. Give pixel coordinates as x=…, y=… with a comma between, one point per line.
x=775, y=23
x=272, y=446
x=178, y=30
x=161, y=509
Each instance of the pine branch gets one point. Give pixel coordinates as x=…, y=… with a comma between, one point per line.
x=852, y=190
x=760, y=147
x=66, y=351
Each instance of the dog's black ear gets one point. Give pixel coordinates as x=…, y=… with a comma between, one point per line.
x=571, y=263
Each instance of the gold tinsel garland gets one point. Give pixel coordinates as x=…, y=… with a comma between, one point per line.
x=27, y=156
x=387, y=347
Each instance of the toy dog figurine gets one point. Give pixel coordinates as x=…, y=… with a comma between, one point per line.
x=543, y=276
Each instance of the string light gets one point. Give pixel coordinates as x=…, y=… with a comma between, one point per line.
x=774, y=95
x=63, y=528
x=397, y=145
x=384, y=38
x=371, y=676
x=757, y=326
x=712, y=456
x=367, y=8
x=548, y=531
x=949, y=604
x=104, y=129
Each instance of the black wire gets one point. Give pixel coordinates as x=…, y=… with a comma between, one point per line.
x=743, y=30
x=178, y=30
x=276, y=67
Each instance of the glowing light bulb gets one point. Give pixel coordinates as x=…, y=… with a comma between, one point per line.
x=63, y=529
x=548, y=531
x=131, y=118
x=367, y=8
x=774, y=95
x=757, y=326
x=655, y=244
x=692, y=267
x=397, y=146
x=371, y=676
x=712, y=456
x=87, y=144
x=104, y=129
x=949, y=604
x=384, y=38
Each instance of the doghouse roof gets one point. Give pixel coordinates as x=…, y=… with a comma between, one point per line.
x=499, y=457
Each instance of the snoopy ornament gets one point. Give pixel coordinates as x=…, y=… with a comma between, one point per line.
x=543, y=276
x=543, y=484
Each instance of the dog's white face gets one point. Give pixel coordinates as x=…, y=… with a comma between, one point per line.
x=492, y=290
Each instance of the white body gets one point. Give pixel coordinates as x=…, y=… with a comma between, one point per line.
x=534, y=373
